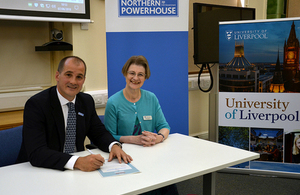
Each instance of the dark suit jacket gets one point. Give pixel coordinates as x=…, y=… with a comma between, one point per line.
x=44, y=129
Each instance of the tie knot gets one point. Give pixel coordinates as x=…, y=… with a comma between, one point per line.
x=71, y=106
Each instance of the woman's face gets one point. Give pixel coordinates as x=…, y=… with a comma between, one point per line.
x=298, y=143
x=135, y=77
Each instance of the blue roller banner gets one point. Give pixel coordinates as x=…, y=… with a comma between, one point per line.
x=259, y=85
x=163, y=40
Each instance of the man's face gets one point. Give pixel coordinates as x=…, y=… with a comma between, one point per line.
x=71, y=79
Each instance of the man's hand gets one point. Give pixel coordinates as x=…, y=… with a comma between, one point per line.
x=89, y=163
x=116, y=151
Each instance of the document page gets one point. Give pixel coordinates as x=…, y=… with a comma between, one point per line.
x=115, y=168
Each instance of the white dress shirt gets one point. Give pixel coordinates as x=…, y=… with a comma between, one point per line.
x=63, y=101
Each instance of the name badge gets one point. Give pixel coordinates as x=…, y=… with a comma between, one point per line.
x=147, y=118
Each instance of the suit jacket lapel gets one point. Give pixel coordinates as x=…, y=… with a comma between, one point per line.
x=58, y=117
x=80, y=121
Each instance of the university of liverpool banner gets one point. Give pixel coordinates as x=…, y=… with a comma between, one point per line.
x=259, y=92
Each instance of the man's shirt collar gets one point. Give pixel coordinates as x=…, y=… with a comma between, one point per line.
x=62, y=100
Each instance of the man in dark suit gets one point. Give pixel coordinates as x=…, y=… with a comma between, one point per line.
x=45, y=124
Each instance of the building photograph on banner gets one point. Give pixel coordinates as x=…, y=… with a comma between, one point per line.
x=259, y=91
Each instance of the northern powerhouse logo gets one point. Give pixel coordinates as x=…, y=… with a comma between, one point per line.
x=148, y=8
x=246, y=34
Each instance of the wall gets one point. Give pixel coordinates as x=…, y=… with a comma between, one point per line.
x=202, y=108
x=293, y=8
x=19, y=38
x=90, y=45
x=19, y=63
x=17, y=53
x=260, y=6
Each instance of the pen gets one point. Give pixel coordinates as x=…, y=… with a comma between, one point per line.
x=91, y=152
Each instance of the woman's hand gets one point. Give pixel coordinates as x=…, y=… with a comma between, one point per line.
x=148, y=138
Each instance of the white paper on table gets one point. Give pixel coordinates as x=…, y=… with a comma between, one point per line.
x=114, y=165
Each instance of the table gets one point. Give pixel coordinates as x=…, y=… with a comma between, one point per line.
x=177, y=159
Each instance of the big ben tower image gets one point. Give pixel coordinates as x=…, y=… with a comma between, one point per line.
x=291, y=60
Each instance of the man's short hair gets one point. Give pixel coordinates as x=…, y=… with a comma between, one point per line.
x=63, y=61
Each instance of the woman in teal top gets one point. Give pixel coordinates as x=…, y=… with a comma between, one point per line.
x=134, y=115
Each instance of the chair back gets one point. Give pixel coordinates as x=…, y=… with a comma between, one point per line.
x=10, y=144
x=101, y=118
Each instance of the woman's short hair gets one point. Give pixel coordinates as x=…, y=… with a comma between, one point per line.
x=295, y=148
x=139, y=61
